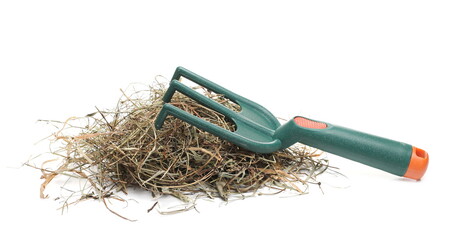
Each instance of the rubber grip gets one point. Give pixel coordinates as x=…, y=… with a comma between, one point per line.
x=388, y=155
x=307, y=123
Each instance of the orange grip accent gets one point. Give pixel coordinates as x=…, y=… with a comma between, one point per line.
x=418, y=164
x=307, y=123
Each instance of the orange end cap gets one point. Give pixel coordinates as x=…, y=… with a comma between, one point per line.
x=418, y=164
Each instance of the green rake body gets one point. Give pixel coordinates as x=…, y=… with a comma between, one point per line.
x=259, y=131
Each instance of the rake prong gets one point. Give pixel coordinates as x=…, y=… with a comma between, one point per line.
x=253, y=111
x=267, y=146
x=169, y=93
x=203, y=100
x=179, y=72
x=160, y=119
x=218, y=107
x=198, y=122
x=182, y=72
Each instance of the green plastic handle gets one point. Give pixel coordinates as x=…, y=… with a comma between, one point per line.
x=385, y=154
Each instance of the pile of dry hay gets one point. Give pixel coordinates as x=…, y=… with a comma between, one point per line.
x=114, y=150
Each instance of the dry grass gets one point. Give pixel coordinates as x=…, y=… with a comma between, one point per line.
x=118, y=149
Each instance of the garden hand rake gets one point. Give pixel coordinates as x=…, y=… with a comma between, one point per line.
x=259, y=131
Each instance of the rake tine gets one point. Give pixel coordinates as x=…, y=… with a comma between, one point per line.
x=198, y=122
x=211, y=104
x=169, y=93
x=182, y=72
x=203, y=100
x=259, y=146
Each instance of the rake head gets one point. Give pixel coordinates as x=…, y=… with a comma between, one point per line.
x=255, y=125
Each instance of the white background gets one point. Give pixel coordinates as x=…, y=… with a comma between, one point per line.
x=377, y=66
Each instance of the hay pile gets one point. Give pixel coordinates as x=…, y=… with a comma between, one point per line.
x=118, y=149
